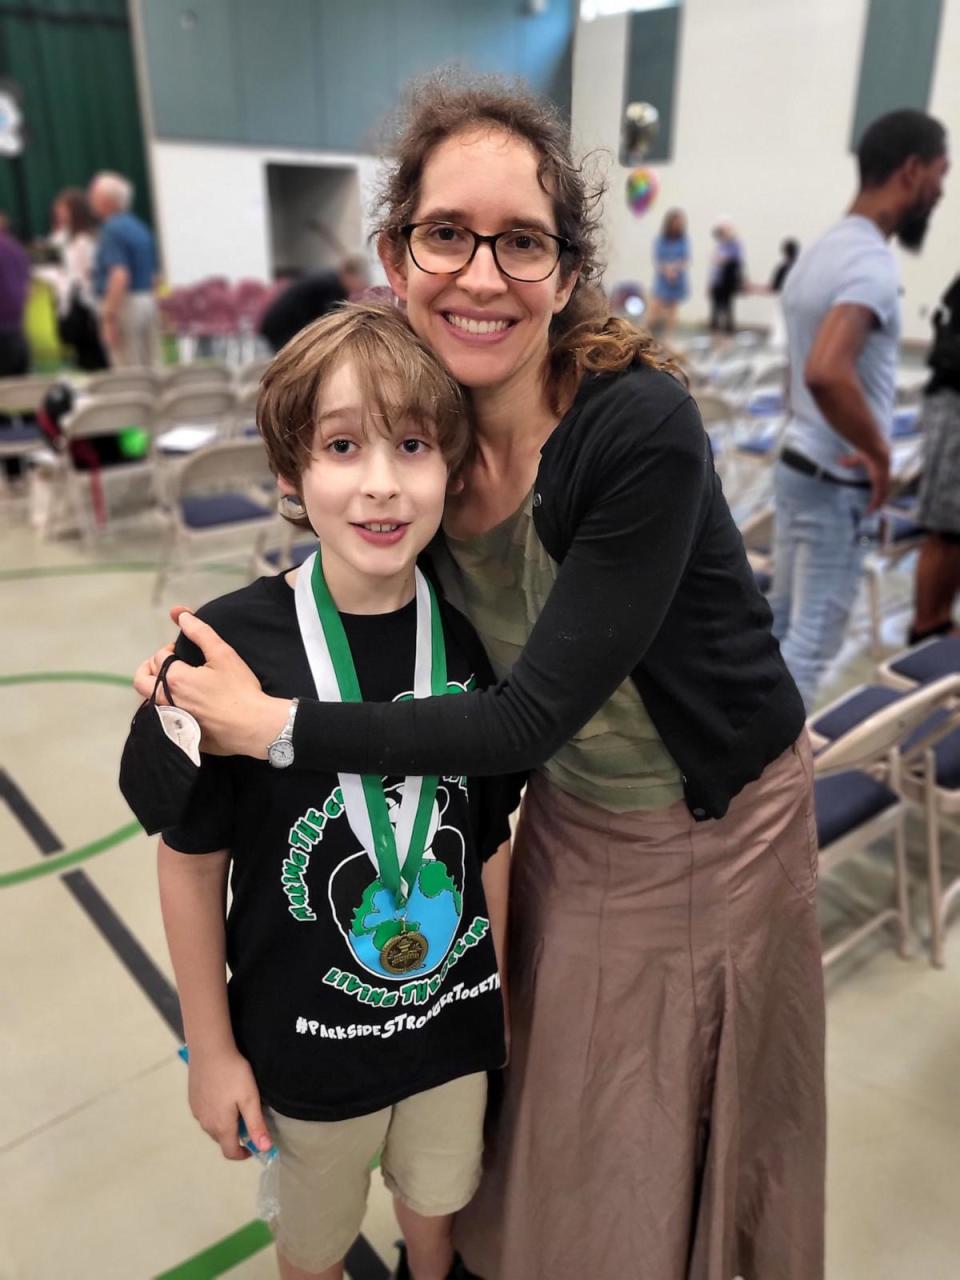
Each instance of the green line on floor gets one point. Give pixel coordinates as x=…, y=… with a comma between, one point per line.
x=68, y=677
x=61, y=861
x=223, y=1255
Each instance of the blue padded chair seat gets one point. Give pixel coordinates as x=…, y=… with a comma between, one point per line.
x=21, y=433
x=931, y=661
x=760, y=445
x=765, y=403
x=854, y=710
x=847, y=800
x=298, y=554
x=947, y=755
x=905, y=422
x=203, y=511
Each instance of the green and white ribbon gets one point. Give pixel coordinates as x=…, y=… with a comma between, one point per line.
x=397, y=855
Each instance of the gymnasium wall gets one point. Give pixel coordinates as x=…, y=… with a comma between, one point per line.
x=231, y=85
x=767, y=95
x=764, y=109
x=213, y=211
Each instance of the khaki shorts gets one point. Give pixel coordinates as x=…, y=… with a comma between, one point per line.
x=430, y=1148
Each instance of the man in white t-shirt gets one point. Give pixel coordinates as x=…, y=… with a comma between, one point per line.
x=841, y=305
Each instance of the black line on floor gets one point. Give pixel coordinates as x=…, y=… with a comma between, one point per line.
x=115, y=933
x=363, y=1262
x=127, y=949
x=21, y=808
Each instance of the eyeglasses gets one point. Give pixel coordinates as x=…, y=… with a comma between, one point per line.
x=444, y=249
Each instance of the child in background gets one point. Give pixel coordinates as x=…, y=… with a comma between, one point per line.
x=364, y=938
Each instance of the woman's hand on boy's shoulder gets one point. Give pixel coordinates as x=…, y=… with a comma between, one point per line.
x=235, y=715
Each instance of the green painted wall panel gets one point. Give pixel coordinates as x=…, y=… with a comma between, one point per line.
x=276, y=65
x=899, y=54
x=324, y=73
x=194, y=69
x=653, y=52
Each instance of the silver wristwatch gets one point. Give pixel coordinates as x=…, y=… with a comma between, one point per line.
x=280, y=751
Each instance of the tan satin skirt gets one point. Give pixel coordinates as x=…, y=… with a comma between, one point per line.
x=663, y=1114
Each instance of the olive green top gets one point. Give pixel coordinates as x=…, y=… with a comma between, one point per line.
x=501, y=580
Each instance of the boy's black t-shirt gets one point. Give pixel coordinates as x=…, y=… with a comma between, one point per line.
x=329, y=1032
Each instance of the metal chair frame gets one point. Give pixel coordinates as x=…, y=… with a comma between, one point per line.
x=875, y=746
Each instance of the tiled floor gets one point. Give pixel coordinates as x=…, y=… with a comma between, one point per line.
x=104, y=1175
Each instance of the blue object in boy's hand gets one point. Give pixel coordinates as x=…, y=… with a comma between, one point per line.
x=243, y=1137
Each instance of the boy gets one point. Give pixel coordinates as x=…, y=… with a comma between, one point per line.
x=363, y=940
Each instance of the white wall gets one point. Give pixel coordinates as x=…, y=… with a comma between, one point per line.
x=763, y=113
x=213, y=209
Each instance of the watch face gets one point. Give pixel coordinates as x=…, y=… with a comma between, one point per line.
x=280, y=753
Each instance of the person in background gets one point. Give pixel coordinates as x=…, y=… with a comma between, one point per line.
x=14, y=286
x=727, y=277
x=841, y=304
x=938, y=568
x=671, y=256
x=308, y=299
x=124, y=274
x=75, y=234
x=789, y=252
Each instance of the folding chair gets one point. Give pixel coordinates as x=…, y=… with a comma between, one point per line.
x=121, y=382
x=860, y=785
x=929, y=660
x=252, y=372
x=721, y=420
x=86, y=486
x=203, y=373
x=201, y=404
x=20, y=398
x=225, y=488
x=283, y=548
x=757, y=534
x=23, y=395
x=931, y=782
x=245, y=409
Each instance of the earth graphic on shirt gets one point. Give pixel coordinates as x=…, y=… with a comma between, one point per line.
x=433, y=908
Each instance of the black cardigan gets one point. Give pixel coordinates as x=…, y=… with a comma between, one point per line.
x=653, y=584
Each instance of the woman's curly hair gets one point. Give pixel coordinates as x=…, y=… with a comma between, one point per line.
x=584, y=336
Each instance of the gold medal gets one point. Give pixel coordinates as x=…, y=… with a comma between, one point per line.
x=404, y=952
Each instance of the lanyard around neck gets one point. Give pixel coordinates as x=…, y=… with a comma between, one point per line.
x=397, y=855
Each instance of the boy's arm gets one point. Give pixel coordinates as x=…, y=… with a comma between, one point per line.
x=221, y=1083
x=496, y=885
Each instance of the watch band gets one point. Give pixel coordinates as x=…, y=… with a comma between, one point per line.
x=280, y=750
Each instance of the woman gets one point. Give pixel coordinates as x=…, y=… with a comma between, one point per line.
x=664, y=1106
x=75, y=228
x=726, y=277
x=671, y=256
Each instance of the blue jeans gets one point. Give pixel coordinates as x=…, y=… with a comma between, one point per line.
x=818, y=556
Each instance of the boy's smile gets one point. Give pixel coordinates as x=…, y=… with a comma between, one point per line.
x=374, y=492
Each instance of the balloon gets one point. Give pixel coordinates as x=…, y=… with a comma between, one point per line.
x=642, y=188
x=641, y=122
x=629, y=298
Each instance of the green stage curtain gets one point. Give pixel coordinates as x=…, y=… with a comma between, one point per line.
x=73, y=62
